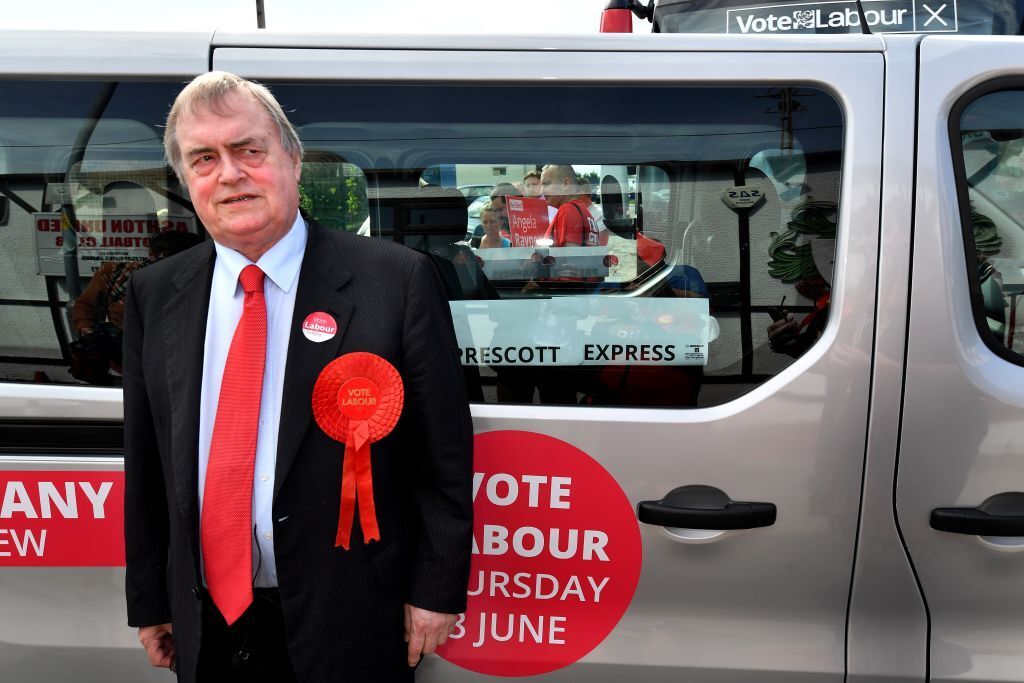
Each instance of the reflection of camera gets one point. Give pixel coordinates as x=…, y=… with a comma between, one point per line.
x=777, y=312
x=105, y=339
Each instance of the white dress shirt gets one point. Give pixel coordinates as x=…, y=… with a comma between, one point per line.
x=281, y=266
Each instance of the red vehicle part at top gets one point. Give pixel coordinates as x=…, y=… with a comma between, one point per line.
x=617, y=17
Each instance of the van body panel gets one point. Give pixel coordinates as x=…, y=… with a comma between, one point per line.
x=547, y=43
x=780, y=442
x=400, y=65
x=963, y=448
x=897, y=409
x=97, y=53
x=888, y=625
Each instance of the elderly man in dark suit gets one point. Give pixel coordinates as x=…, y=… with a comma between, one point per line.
x=232, y=489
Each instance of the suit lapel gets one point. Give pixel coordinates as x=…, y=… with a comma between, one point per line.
x=184, y=335
x=319, y=281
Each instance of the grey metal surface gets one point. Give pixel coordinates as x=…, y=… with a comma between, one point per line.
x=964, y=407
x=361, y=64
x=96, y=53
x=888, y=629
x=633, y=43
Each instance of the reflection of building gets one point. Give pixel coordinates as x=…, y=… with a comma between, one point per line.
x=452, y=175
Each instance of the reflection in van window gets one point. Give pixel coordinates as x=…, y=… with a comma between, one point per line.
x=88, y=200
x=592, y=256
x=992, y=142
x=333, y=192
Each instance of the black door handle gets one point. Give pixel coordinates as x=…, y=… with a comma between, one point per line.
x=976, y=522
x=1000, y=515
x=704, y=507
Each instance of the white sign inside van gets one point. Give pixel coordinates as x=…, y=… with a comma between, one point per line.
x=584, y=331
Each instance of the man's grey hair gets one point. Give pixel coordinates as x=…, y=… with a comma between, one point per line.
x=209, y=92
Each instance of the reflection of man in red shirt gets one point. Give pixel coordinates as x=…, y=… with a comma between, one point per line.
x=572, y=226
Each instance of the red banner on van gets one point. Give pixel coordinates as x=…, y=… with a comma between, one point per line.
x=61, y=519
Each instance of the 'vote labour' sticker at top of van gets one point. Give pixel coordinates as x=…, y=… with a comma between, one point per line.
x=556, y=557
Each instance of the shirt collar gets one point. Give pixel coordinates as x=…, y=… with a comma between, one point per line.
x=280, y=263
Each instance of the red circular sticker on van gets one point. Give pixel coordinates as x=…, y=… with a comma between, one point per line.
x=319, y=326
x=556, y=557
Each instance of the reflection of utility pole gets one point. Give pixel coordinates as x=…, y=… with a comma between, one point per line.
x=787, y=108
x=261, y=18
x=69, y=223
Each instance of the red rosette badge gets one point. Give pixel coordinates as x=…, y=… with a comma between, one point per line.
x=357, y=399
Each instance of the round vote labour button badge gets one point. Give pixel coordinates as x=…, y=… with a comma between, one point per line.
x=319, y=327
x=556, y=557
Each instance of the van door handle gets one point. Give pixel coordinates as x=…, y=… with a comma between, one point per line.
x=704, y=507
x=976, y=522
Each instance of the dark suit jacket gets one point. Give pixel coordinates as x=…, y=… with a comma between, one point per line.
x=343, y=609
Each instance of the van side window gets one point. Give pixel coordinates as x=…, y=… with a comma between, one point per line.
x=85, y=200
x=990, y=170
x=608, y=246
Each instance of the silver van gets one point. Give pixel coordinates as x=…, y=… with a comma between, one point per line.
x=768, y=429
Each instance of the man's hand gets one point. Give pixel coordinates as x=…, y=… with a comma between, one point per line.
x=425, y=630
x=783, y=336
x=159, y=644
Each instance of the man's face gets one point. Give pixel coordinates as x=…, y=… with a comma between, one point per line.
x=533, y=186
x=557, y=190
x=242, y=182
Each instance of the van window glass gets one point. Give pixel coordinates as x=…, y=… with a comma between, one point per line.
x=618, y=246
x=85, y=200
x=333, y=192
x=991, y=131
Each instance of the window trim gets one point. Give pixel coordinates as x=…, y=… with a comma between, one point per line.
x=88, y=438
x=964, y=205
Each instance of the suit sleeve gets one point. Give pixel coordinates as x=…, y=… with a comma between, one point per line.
x=442, y=429
x=145, y=518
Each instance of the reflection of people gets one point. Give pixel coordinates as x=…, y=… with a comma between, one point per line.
x=573, y=226
x=587, y=199
x=492, y=238
x=498, y=203
x=220, y=442
x=532, y=185
x=498, y=200
x=98, y=313
x=793, y=337
x=103, y=300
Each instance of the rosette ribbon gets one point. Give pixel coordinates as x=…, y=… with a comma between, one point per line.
x=357, y=400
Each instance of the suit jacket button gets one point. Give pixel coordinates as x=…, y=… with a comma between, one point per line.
x=197, y=593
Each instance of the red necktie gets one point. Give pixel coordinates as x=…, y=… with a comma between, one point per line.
x=226, y=526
